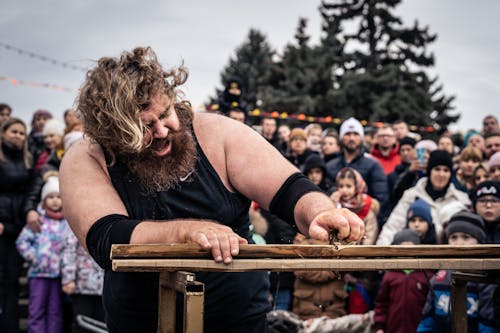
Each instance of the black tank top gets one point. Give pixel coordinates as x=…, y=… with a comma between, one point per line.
x=131, y=299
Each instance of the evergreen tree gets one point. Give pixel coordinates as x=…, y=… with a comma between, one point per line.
x=252, y=65
x=385, y=78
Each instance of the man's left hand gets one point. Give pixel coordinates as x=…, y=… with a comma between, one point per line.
x=349, y=226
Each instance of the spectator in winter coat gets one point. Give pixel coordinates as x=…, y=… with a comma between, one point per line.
x=314, y=169
x=82, y=279
x=351, y=138
x=330, y=147
x=486, y=203
x=494, y=166
x=317, y=293
x=386, y=149
x=5, y=112
x=464, y=228
x=298, y=152
x=402, y=294
x=419, y=220
x=436, y=189
x=16, y=174
x=470, y=159
x=43, y=252
x=36, y=145
x=53, y=133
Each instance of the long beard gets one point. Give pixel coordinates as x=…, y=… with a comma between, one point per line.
x=163, y=173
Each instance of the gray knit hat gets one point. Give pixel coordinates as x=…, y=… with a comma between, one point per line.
x=406, y=235
x=468, y=223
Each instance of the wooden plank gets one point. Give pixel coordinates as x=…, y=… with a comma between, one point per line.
x=459, y=305
x=306, y=251
x=241, y=265
x=166, y=304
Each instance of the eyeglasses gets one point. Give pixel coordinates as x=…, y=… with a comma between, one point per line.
x=485, y=202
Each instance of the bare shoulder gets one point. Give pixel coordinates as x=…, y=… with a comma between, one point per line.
x=81, y=154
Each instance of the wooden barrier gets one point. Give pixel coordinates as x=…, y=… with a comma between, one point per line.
x=165, y=258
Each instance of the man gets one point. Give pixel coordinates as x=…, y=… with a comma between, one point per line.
x=385, y=149
x=490, y=125
x=283, y=138
x=237, y=114
x=5, y=112
x=401, y=130
x=491, y=144
x=351, y=140
x=268, y=130
x=152, y=171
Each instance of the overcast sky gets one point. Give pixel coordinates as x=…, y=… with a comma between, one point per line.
x=204, y=34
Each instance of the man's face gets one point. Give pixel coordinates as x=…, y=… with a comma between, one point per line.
x=492, y=145
x=159, y=119
x=284, y=133
x=351, y=142
x=400, y=130
x=169, y=150
x=385, y=138
x=488, y=207
x=237, y=115
x=490, y=125
x=407, y=153
x=268, y=127
x=440, y=177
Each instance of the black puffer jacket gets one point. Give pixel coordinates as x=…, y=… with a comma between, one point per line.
x=14, y=181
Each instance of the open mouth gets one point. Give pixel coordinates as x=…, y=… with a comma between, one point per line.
x=161, y=147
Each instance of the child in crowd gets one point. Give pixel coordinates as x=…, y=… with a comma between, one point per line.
x=351, y=194
x=402, y=294
x=480, y=174
x=486, y=201
x=419, y=219
x=82, y=279
x=315, y=170
x=43, y=253
x=464, y=228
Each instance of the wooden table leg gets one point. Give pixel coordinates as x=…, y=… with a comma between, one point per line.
x=459, y=305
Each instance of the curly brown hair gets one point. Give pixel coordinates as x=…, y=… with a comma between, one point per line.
x=117, y=90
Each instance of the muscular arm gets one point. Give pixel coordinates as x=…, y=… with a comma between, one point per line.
x=88, y=195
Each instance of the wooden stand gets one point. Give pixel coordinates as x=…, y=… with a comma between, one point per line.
x=167, y=259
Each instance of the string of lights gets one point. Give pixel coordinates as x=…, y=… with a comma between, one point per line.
x=17, y=82
x=40, y=57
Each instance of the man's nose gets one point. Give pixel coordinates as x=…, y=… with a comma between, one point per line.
x=160, y=131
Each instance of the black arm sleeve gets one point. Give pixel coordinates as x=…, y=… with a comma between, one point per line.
x=283, y=203
x=108, y=230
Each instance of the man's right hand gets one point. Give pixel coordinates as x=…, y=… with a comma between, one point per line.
x=221, y=240
x=34, y=221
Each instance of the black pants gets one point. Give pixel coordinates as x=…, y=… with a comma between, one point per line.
x=89, y=306
x=10, y=271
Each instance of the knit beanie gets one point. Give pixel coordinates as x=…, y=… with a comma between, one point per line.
x=41, y=112
x=406, y=235
x=51, y=186
x=439, y=157
x=468, y=223
x=488, y=187
x=421, y=209
x=53, y=126
x=314, y=161
x=407, y=141
x=298, y=133
x=494, y=160
x=351, y=125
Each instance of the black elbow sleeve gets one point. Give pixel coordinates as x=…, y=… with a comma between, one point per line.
x=108, y=230
x=284, y=201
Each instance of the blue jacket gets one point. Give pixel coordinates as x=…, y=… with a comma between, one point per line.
x=369, y=168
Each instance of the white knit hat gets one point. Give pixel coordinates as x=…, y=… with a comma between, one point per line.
x=53, y=126
x=351, y=125
x=51, y=186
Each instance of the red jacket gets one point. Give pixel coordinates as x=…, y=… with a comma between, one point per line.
x=389, y=162
x=400, y=300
